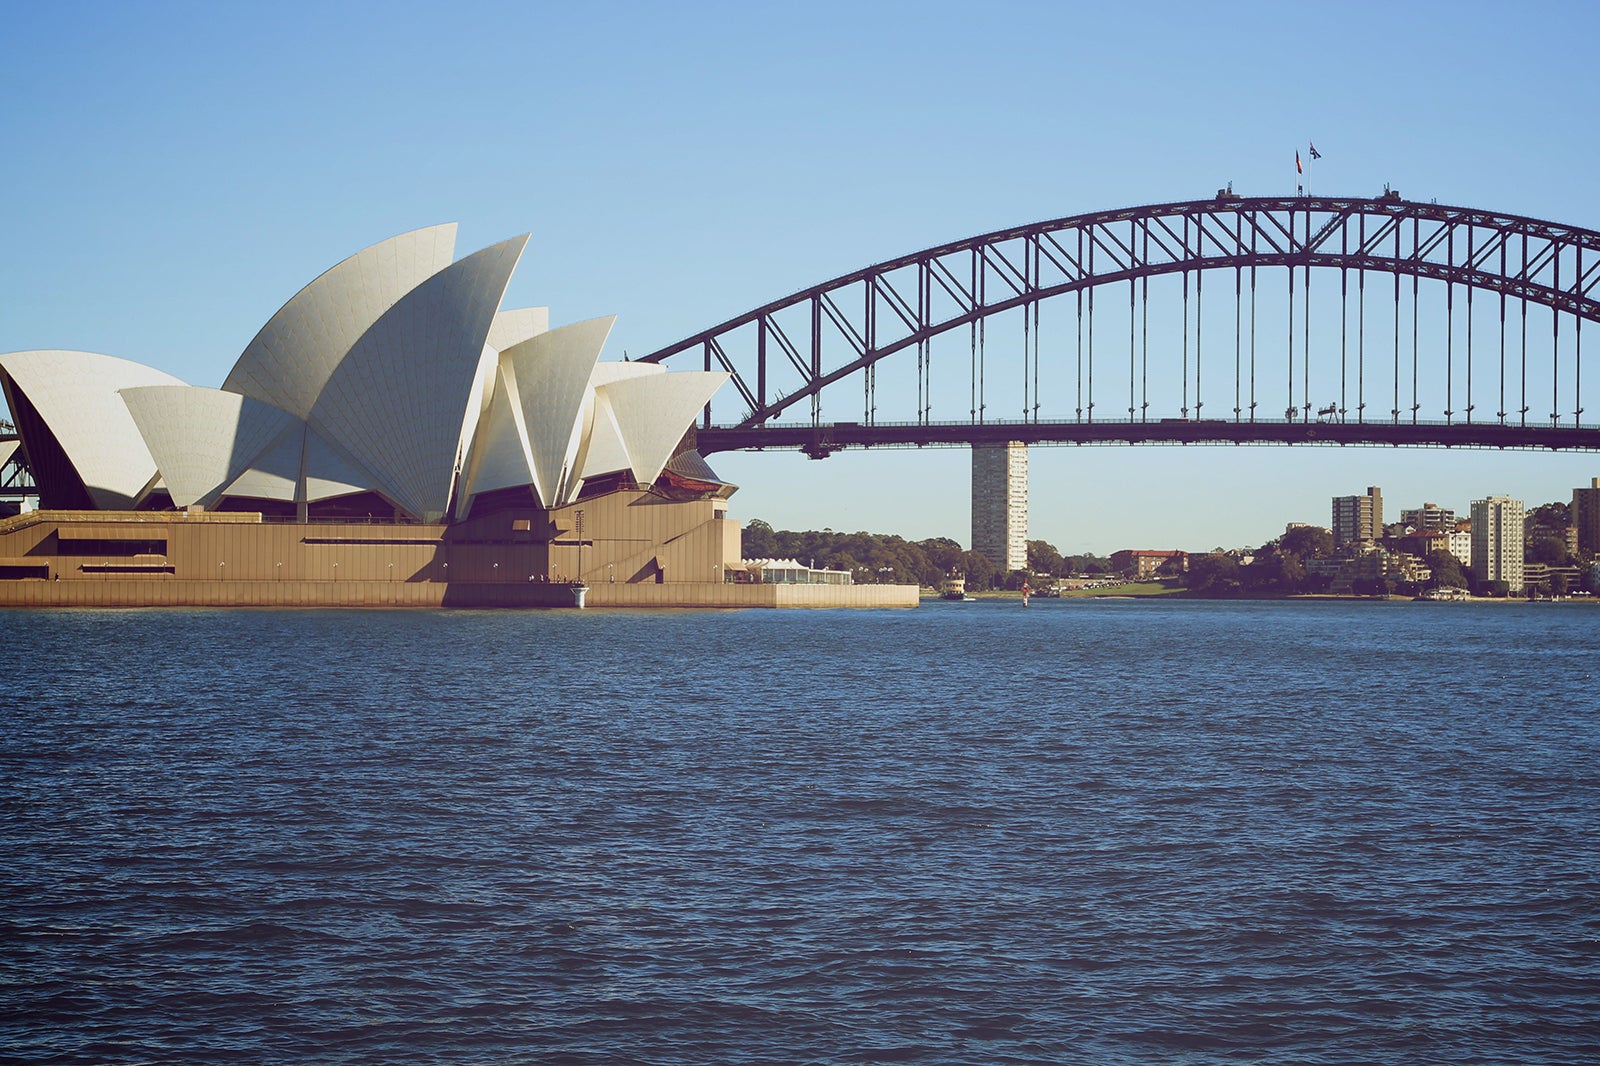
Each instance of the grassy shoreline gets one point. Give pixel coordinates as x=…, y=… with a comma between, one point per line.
x=1156, y=590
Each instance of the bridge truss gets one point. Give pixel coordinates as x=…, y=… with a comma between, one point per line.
x=16, y=480
x=1322, y=305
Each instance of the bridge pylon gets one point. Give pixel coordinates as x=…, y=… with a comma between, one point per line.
x=1000, y=503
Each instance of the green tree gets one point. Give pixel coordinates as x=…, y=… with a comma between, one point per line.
x=1213, y=575
x=845, y=561
x=1315, y=582
x=943, y=555
x=1307, y=542
x=1551, y=516
x=758, y=540
x=1043, y=558
x=1274, y=571
x=872, y=557
x=980, y=571
x=1548, y=547
x=1447, y=572
x=1369, y=586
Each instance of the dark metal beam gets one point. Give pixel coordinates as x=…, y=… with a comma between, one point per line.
x=819, y=441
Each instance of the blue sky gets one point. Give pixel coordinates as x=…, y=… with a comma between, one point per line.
x=175, y=171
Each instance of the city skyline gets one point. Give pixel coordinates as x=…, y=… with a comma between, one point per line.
x=681, y=167
x=1391, y=517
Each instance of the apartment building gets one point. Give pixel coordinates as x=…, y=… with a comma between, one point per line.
x=1586, y=517
x=1497, y=540
x=1358, y=518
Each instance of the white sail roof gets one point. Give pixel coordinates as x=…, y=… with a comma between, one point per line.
x=276, y=470
x=394, y=372
x=500, y=453
x=603, y=451
x=299, y=454
x=202, y=439
x=330, y=473
x=292, y=358
x=398, y=397
x=652, y=414
x=75, y=394
x=516, y=325
x=551, y=373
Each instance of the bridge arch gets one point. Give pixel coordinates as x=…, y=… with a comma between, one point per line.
x=785, y=354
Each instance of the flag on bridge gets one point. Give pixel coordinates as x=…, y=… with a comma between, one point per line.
x=1314, y=153
x=1298, y=169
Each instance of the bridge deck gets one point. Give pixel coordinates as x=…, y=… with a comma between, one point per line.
x=821, y=440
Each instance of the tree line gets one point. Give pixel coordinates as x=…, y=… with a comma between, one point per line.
x=879, y=559
x=1278, y=567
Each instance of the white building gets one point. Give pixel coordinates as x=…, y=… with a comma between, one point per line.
x=791, y=572
x=394, y=383
x=1429, y=518
x=1000, y=504
x=1497, y=540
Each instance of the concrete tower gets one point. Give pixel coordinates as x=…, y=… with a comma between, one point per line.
x=1497, y=540
x=1357, y=518
x=1586, y=516
x=1000, y=504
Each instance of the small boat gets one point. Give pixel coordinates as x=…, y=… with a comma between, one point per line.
x=954, y=586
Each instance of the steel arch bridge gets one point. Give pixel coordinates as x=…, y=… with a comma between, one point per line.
x=1360, y=339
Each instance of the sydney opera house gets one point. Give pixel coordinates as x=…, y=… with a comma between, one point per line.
x=391, y=436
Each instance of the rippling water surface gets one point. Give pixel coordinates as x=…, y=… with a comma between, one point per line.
x=1108, y=832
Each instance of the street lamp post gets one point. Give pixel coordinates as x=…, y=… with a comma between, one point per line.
x=579, y=589
x=579, y=516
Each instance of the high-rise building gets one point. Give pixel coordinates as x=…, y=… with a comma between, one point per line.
x=1429, y=518
x=1000, y=504
x=1586, y=517
x=1358, y=518
x=1497, y=540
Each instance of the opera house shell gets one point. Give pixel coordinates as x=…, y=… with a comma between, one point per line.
x=391, y=419
x=393, y=377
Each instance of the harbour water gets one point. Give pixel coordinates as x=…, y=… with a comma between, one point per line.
x=1097, y=832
